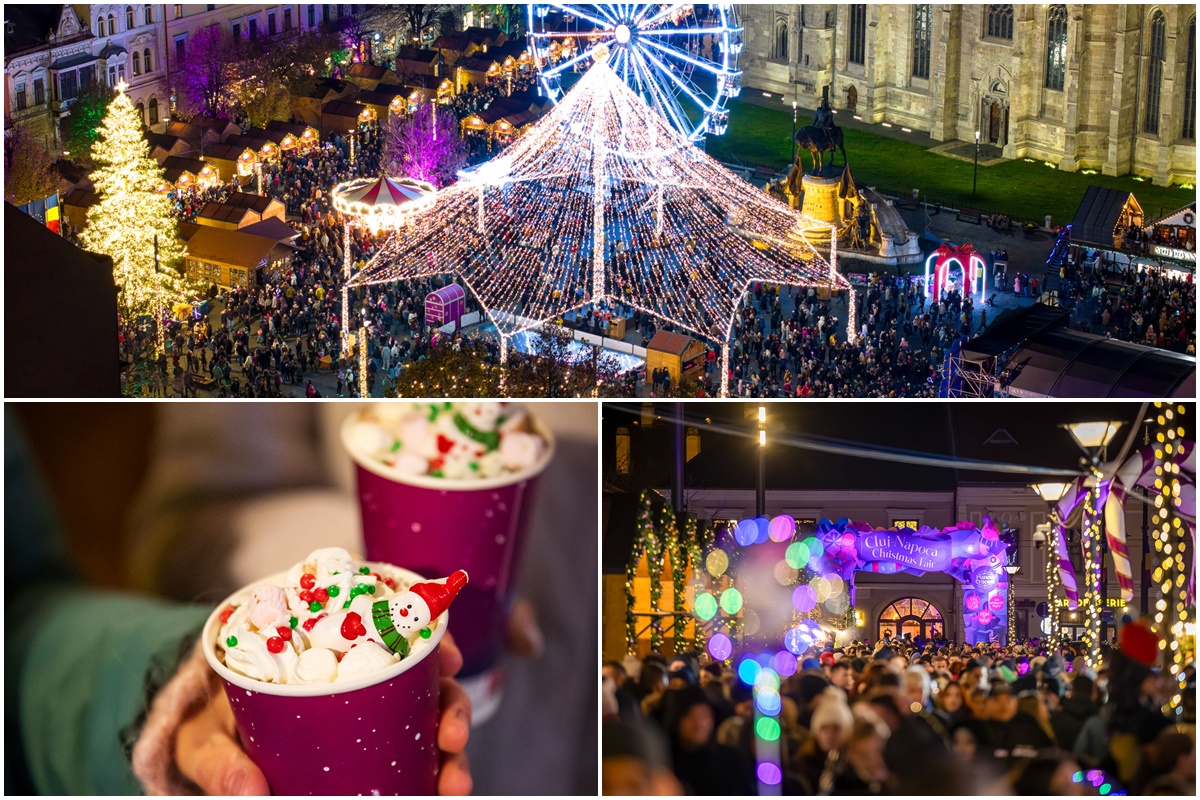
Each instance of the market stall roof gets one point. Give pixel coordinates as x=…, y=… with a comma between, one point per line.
x=1013, y=326
x=237, y=248
x=272, y=228
x=1179, y=216
x=667, y=342
x=1065, y=363
x=1098, y=213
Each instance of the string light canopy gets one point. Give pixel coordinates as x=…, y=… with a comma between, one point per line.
x=384, y=202
x=603, y=202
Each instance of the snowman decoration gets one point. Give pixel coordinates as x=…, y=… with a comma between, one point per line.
x=463, y=439
x=390, y=622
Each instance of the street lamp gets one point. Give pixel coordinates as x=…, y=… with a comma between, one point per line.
x=975, y=171
x=794, y=107
x=1051, y=493
x=1092, y=438
x=760, y=493
x=1012, y=570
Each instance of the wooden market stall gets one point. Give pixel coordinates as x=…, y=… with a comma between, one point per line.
x=241, y=209
x=368, y=76
x=75, y=207
x=260, y=141
x=189, y=173
x=678, y=353
x=297, y=137
x=231, y=161
x=340, y=116
x=231, y=258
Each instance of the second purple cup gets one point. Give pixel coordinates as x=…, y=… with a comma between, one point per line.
x=435, y=526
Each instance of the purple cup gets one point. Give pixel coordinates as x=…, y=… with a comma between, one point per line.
x=375, y=735
x=437, y=526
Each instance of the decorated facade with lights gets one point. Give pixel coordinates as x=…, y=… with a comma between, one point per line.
x=602, y=203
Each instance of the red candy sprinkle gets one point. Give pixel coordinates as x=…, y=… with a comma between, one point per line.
x=307, y=581
x=339, y=656
x=306, y=596
x=352, y=626
x=444, y=444
x=321, y=595
x=391, y=584
x=285, y=633
x=309, y=623
x=275, y=644
x=227, y=613
x=437, y=464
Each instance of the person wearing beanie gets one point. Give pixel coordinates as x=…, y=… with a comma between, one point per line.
x=830, y=725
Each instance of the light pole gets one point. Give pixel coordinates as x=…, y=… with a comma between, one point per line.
x=794, y=131
x=975, y=171
x=1051, y=493
x=1012, y=570
x=1092, y=438
x=760, y=494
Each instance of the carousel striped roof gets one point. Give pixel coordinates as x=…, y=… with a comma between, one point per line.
x=383, y=195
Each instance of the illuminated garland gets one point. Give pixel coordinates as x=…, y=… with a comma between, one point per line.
x=1053, y=580
x=1170, y=544
x=654, y=566
x=566, y=218
x=1091, y=533
x=677, y=552
x=636, y=550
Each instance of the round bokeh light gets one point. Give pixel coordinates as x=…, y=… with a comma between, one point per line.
x=706, y=606
x=804, y=598
x=731, y=601
x=716, y=563
x=782, y=528
x=720, y=646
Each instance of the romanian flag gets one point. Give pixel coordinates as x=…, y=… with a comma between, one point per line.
x=53, y=219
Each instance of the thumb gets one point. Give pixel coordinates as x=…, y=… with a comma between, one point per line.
x=222, y=768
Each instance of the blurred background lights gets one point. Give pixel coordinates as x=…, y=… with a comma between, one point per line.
x=784, y=663
x=767, y=729
x=746, y=532
x=716, y=563
x=768, y=702
x=706, y=606
x=769, y=773
x=782, y=528
x=749, y=670
x=797, y=555
x=785, y=575
x=804, y=599
x=731, y=601
x=720, y=646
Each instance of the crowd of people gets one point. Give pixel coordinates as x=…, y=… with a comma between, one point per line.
x=1144, y=306
x=907, y=717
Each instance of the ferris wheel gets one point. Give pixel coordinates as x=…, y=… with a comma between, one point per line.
x=681, y=58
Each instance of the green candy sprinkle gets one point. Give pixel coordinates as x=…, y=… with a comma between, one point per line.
x=293, y=622
x=426, y=633
x=395, y=447
x=346, y=604
x=364, y=570
x=474, y=466
x=231, y=641
x=437, y=473
x=370, y=590
x=433, y=413
x=334, y=591
x=314, y=606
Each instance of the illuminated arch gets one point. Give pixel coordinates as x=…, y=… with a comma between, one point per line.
x=970, y=264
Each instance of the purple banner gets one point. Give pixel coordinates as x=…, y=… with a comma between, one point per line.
x=911, y=551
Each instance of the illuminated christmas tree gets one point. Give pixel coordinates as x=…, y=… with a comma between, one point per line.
x=132, y=223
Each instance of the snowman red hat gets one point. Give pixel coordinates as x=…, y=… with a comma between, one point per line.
x=438, y=594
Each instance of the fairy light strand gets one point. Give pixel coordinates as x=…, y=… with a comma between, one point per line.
x=570, y=213
x=1170, y=544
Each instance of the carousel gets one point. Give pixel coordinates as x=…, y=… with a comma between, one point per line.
x=378, y=205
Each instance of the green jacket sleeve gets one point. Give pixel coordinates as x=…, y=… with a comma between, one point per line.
x=83, y=681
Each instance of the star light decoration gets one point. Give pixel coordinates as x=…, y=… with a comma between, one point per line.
x=603, y=203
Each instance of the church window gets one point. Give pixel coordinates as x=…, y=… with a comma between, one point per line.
x=1189, y=94
x=1056, y=48
x=1000, y=21
x=1154, y=71
x=858, y=34
x=781, y=39
x=922, y=35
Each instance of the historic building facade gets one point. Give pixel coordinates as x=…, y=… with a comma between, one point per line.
x=1104, y=87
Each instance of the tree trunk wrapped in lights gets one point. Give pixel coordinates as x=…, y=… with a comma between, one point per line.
x=132, y=222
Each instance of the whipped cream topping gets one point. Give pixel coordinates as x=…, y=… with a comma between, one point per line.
x=460, y=441
x=334, y=619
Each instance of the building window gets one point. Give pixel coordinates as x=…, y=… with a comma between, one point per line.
x=146, y=62
x=112, y=25
x=1056, y=48
x=153, y=110
x=1189, y=94
x=287, y=19
x=253, y=28
x=68, y=85
x=1154, y=72
x=858, y=34
x=911, y=617
x=271, y=30
x=100, y=28
x=141, y=110
x=112, y=75
x=87, y=75
x=22, y=102
x=137, y=63
x=911, y=524
x=147, y=15
x=39, y=91
x=922, y=35
x=121, y=72
x=129, y=23
x=781, y=39
x=312, y=16
x=237, y=32
x=180, y=48
x=1000, y=21
x=178, y=11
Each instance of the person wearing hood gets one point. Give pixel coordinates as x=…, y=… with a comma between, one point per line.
x=701, y=765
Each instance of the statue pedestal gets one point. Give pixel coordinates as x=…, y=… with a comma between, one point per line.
x=821, y=203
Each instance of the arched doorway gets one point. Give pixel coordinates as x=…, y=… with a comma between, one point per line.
x=852, y=98
x=913, y=617
x=994, y=123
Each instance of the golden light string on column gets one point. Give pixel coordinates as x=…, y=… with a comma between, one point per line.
x=1170, y=544
x=1091, y=533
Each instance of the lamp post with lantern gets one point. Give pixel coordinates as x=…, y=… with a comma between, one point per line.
x=1048, y=535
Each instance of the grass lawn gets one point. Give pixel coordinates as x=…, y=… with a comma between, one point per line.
x=1025, y=191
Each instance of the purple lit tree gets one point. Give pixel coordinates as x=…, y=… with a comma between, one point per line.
x=424, y=146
